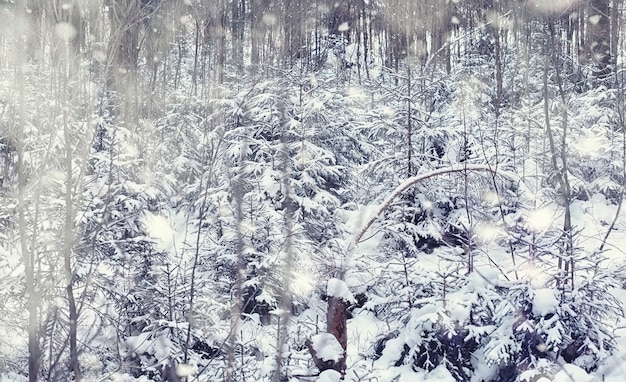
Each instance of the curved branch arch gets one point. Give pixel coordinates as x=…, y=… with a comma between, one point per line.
x=421, y=177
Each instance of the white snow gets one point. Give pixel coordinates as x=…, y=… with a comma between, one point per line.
x=269, y=19
x=356, y=94
x=329, y=376
x=614, y=368
x=552, y=6
x=487, y=233
x=572, y=373
x=352, y=54
x=540, y=219
x=168, y=232
x=304, y=278
x=159, y=229
x=393, y=347
x=12, y=377
x=139, y=344
x=338, y=288
x=355, y=220
x=362, y=331
x=406, y=373
x=65, y=31
x=592, y=144
x=545, y=302
x=595, y=19
x=327, y=347
x=185, y=370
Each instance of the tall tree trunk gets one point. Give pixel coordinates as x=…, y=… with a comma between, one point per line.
x=67, y=254
x=566, y=258
x=28, y=254
x=28, y=258
x=599, y=37
x=285, y=297
x=615, y=26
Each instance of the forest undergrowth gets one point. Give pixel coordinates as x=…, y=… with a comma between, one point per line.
x=233, y=192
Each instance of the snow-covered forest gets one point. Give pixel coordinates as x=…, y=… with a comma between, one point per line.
x=321, y=190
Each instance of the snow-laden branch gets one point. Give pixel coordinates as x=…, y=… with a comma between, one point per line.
x=418, y=178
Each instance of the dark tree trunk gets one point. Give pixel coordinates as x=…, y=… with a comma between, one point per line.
x=337, y=325
x=599, y=37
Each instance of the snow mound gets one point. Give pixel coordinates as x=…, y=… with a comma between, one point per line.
x=329, y=376
x=185, y=370
x=12, y=377
x=338, y=288
x=572, y=373
x=326, y=347
x=545, y=302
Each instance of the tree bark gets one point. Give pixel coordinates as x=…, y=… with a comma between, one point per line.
x=337, y=325
x=67, y=253
x=599, y=37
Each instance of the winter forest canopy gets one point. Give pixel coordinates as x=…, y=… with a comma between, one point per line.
x=321, y=190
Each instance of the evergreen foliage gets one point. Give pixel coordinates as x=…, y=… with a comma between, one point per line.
x=180, y=180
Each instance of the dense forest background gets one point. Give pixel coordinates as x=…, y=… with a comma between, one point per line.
x=290, y=190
